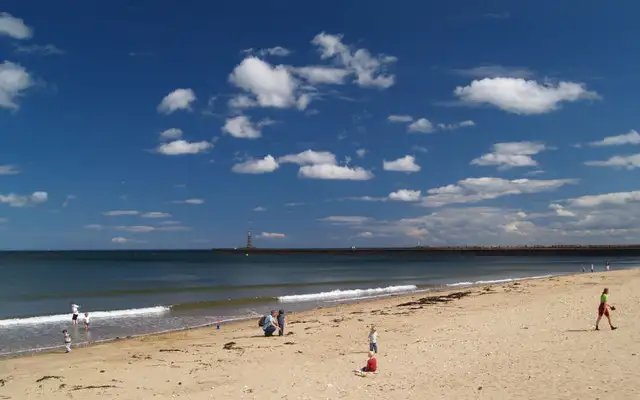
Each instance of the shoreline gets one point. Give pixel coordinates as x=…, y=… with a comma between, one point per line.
x=437, y=290
x=525, y=339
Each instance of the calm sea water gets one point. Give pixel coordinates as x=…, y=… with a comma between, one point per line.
x=133, y=293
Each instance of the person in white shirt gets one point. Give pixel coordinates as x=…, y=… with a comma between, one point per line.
x=74, y=312
x=86, y=321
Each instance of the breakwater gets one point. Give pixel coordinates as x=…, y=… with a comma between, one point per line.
x=553, y=250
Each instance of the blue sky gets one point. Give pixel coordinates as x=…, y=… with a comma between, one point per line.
x=156, y=124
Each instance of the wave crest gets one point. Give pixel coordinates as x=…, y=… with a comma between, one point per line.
x=346, y=294
x=47, y=319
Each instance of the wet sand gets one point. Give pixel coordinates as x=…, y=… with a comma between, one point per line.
x=520, y=340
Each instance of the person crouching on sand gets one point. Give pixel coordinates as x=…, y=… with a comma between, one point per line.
x=270, y=324
x=86, y=321
x=603, y=309
x=67, y=341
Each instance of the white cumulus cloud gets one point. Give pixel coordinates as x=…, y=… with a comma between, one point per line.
x=369, y=70
x=520, y=96
x=171, y=134
x=270, y=86
x=334, y=172
x=561, y=211
x=257, y=166
x=179, y=99
x=119, y=240
x=421, y=125
x=607, y=199
x=278, y=51
x=322, y=75
x=473, y=190
x=623, y=162
x=511, y=154
x=632, y=137
x=405, y=195
x=456, y=125
x=180, y=147
x=309, y=157
x=15, y=200
x=14, y=27
x=14, y=80
x=402, y=164
x=242, y=127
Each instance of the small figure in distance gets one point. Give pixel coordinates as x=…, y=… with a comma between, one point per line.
x=372, y=365
x=583, y=268
x=373, y=340
x=591, y=267
x=74, y=312
x=281, y=322
x=603, y=309
x=67, y=341
x=86, y=321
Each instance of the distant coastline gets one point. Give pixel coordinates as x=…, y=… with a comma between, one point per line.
x=587, y=250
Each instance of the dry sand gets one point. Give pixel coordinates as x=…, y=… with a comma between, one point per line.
x=526, y=340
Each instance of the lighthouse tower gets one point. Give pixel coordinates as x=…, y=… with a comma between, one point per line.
x=249, y=242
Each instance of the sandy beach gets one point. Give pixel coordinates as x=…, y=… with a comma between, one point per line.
x=521, y=340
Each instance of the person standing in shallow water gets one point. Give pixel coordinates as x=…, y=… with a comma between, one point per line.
x=603, y=309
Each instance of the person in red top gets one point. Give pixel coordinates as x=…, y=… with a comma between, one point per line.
x=372, y=363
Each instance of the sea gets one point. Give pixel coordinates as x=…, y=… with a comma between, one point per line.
x=133, y=293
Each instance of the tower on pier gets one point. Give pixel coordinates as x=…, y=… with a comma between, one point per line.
x=249, y=242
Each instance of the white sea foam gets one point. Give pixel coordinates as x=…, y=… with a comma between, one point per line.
x=46, y=319
x=346, y=294
x=491, y=282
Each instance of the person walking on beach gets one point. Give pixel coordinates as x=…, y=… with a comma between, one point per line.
x=607, y=266
x=373, y=340
x=591, y=267
x=281, y=322
x=74, y=313
x=86, y=321
x=603, y=309
x=67, y=341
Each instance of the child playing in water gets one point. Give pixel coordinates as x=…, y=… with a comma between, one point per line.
x=373, y=340
x=67, y=341
x=86, y=321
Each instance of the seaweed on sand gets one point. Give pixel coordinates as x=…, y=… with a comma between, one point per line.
x=436, y=299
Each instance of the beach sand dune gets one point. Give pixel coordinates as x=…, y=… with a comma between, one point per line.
x=520, y=340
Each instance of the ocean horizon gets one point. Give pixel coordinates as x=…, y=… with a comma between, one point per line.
x=130, y=293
